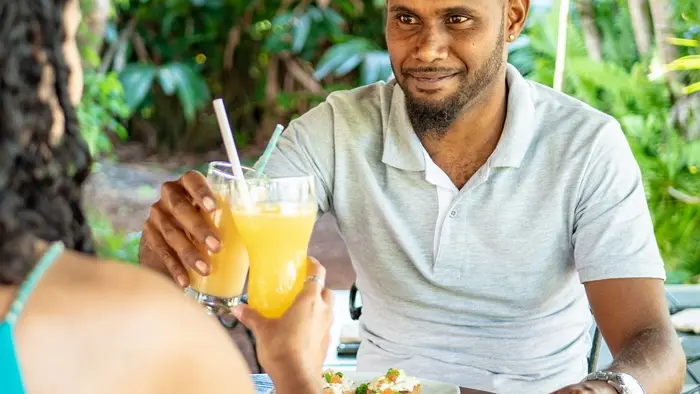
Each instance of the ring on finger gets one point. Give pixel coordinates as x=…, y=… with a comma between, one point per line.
x=317, y=279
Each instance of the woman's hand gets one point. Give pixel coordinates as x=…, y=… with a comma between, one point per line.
x=292, y=348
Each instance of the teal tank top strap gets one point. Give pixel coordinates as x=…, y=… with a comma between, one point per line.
x=10, y=373
x=25, y=290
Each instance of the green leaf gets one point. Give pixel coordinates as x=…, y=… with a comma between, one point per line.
x=349, y=65
x=315, y=14
x=375, y=67
x=190, y=87
x=334, y=18
x=300, y=32
x=137, y=80
x=120, y=58
x=167, y=24
x=167, y=79
x=337, y=55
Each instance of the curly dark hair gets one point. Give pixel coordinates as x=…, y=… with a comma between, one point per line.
x=40, y=179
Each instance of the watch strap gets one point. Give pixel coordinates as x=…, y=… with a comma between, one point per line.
x=607, y=377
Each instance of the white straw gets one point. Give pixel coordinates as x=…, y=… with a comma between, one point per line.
x=231, y=151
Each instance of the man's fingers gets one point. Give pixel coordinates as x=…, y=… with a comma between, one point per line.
x=176, y=201
x=197, y=187
x=155, y=241
x=178, y=240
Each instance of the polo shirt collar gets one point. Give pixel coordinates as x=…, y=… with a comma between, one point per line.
x=519, y=127
x=403, y=150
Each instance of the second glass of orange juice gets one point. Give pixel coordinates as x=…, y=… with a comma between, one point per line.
x=222, y=288
x=275, y=224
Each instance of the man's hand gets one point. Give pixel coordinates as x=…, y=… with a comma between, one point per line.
x=176, y=234
x=588, y=387
x=292, y=348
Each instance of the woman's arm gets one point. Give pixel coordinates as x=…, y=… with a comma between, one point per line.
x=184, y=350
x=191, y=351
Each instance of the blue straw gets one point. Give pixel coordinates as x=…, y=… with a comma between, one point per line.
x=262, y=162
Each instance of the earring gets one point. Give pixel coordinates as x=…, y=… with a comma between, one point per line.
x=511, y=37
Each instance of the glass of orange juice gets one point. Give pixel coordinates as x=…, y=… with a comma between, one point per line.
x=275, y=218
x=222, y=288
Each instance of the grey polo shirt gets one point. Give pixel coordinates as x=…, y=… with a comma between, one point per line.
x=492, y=298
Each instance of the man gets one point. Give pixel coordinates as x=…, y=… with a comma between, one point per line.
x=474, y=204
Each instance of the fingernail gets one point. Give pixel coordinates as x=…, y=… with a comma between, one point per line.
x=181, y=280
x=212, y=243
x=202, y=267
x=209, y=203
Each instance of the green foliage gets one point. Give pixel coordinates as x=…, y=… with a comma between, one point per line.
x=174, y=56
x=100, y=113
x=345, y=57
x=176, y=78
x=615, y=25
x=111, y=244
x=306, y=33
x=301, y=33
x=686, y=18
x=620, y=86
x=689, y=64
x=668, y=162
x=101, y=110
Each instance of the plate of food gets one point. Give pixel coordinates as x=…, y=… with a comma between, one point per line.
x=394, y=381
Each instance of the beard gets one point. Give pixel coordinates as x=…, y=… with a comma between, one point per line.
x=434, y=117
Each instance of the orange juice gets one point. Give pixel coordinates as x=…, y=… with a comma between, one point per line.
x=230, y=265
x=276, y=238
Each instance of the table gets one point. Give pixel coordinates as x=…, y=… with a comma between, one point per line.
x=341, y=316
x=263, y=385
x=463, y=390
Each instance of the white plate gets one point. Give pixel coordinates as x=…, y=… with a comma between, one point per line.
x=428, y=386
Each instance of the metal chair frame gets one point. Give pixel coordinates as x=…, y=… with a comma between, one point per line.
x=674, y=306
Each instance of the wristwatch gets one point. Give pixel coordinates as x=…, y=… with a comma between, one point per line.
x=622, y=382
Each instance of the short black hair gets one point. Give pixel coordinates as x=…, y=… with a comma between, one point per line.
x=40, y=180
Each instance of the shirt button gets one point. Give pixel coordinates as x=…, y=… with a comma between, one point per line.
x=453, y=214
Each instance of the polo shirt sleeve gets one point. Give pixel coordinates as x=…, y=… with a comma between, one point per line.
x=306, y=147
x=613, y=234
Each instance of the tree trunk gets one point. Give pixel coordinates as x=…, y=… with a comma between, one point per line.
x=641, y=24
x=661, y=17
x=560, y=63
x=96, y=17
x=590, y=31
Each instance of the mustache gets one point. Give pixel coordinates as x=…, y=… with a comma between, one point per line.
x=443, y=70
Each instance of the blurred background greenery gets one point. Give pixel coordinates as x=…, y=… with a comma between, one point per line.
x=153, y=67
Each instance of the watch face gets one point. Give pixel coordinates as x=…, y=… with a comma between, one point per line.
x=630, y=384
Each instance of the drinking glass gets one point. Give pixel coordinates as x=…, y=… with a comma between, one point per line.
x=275, y=218
x=222, y=288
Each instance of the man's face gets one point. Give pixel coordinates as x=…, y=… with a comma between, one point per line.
x=445, y=54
